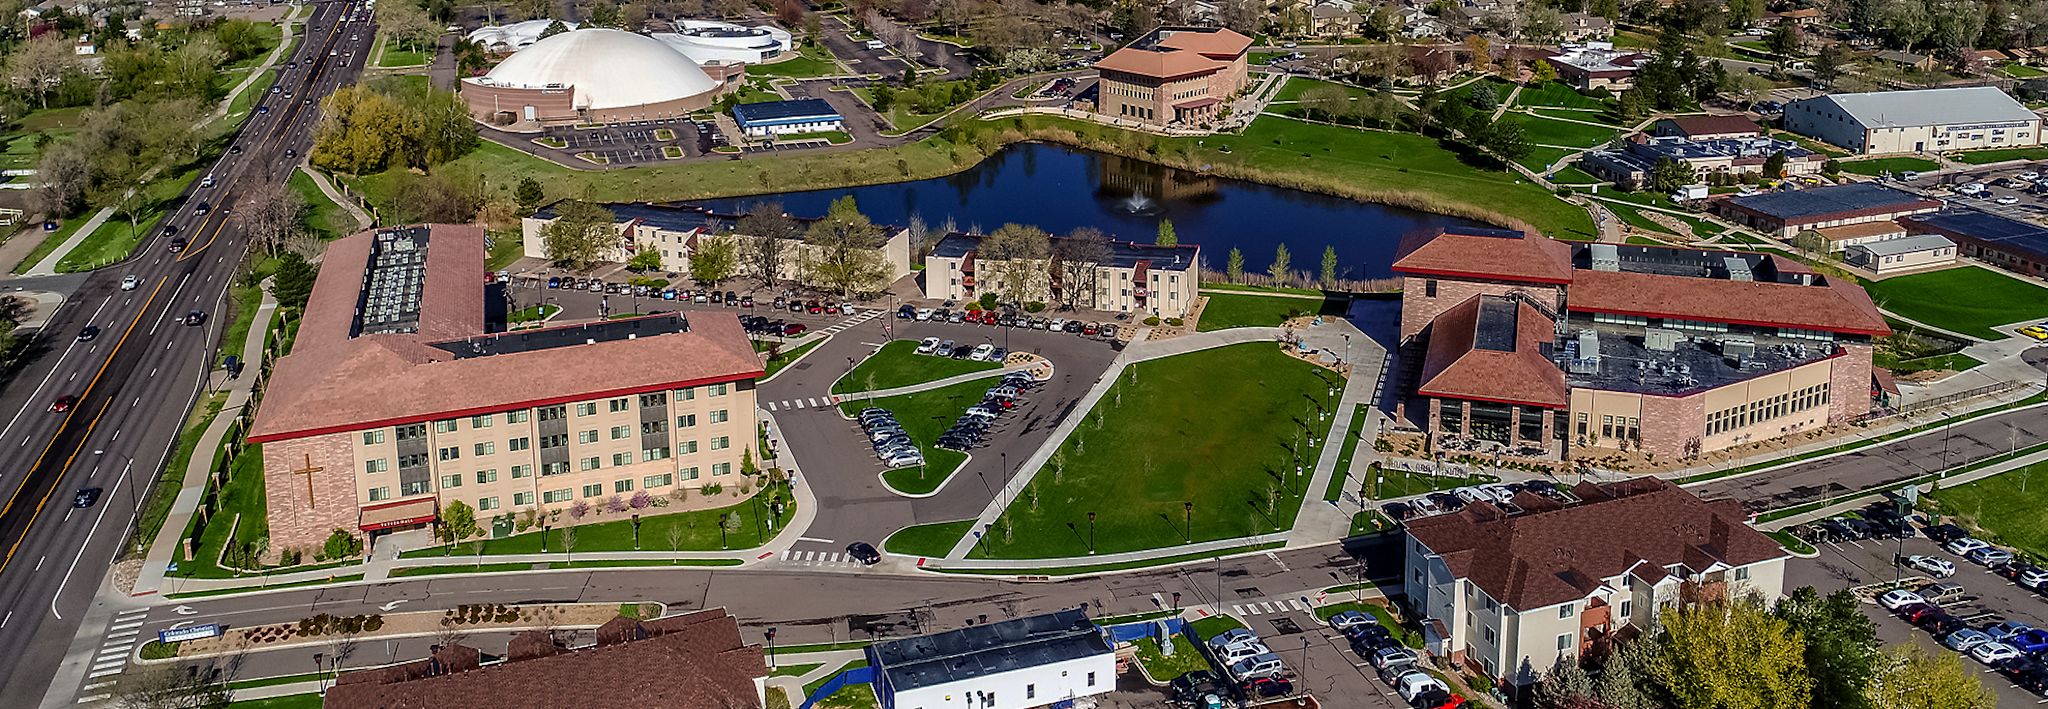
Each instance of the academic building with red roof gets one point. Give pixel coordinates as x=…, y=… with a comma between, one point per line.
x=401, y=395
x=1536, y=344
x=1180, y=76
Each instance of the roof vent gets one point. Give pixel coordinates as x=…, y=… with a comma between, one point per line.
x=1605, y=257
x=1738, y=269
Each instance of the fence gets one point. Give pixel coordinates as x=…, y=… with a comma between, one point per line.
x=858, y=675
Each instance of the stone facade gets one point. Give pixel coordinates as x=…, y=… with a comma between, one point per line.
x=1419, y=307
x=1850, y=383
x=297, y=522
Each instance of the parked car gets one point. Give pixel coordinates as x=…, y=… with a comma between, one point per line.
x=2006, y=628
x=1267, y=687
x=1267, y=665
x=1391, y=657
x=2030, y=642
x=1233, y=636
x=1940, y=592
x=1933, y=566
x=1415, y=683
x=1992, y=653
x=1899, y=598
x=2032, y=578
x=1989, y=556
x=1349, y=619
x=1192, y=688
x=906, y=312
x=1965, y=639
x=1945, y=533
x=928, y=346
x=1964, y=545
x=1238, y=653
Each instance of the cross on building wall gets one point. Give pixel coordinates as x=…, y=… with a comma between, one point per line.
x=308, y=471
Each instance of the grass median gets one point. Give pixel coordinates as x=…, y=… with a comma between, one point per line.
x=1212, y=437
x=898, y=364
x=924, y=416
x=930, y=540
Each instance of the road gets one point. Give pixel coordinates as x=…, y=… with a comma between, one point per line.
x=136, y=380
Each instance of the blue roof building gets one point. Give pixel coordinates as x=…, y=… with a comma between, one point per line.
x=810, y=115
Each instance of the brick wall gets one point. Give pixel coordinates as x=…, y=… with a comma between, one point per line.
x=1849, y=384
x=294, y=521
x=1669, y=422
x=1418, y=309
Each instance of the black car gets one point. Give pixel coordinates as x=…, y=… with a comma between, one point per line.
x=1190, y=688
x=1398, y=511
x=85, y=498
x=1940, y=623
x=196, y=317
x=906, y=312
x=2035, y=681
x=1945, y=533
x=90, y=331
x=202, y=208
x=864, y=552
x=1446, y=501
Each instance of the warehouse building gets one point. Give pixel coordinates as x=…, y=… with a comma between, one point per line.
x=1921, y=121
x=1034, y=661
x=400, y=396
x=781, y=118
x=1786, y=213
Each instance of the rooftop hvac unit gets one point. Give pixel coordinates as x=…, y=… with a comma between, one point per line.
x=1738, y=269
x=1738, y=346
x=1658, y=339
x=1605, y=257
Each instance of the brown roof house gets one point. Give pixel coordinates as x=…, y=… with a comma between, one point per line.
x=1511, y=590
x=1181, y=76
x=694, y=660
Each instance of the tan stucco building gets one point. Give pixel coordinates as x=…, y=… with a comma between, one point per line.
x=1174, y=76
x=1143, y=279
x=677, y=231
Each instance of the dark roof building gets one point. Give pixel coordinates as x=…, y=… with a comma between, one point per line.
x=1785, y=213
x=692, y=660
x=772, y=116
x=2011, y=244
x=1707, y=127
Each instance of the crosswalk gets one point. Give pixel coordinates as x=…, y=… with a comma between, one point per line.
x=1264, y=607
x=862, y=317
x=814, y=402
x=112, y=657
x=817, y=558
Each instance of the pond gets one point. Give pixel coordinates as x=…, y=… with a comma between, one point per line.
x=1059, y=189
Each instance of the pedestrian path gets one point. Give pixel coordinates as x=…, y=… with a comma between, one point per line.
x=852, y=322
x=814, y=402
x=806, y=557
x=112, y=657
x=1271, y=605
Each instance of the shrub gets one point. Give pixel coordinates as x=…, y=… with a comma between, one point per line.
x=713, y=489
x=1034, y=306
x=987, y=300
x=341, y=545
x=1152, y=321
x=1177, y=322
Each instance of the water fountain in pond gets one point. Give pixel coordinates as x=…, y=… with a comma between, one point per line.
x=1138, y=203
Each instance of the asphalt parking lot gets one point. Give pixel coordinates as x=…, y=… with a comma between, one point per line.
x=1987, y=597
x=2002, y=183
x=627, y=143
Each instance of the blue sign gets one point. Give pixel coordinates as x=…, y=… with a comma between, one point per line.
x=196, y=632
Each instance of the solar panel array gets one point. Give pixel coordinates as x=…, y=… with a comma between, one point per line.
x=393, y=283
x=2009, y=235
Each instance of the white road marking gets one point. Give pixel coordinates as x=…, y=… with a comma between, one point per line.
x=771, y=406
x=814, y=539
x=94, y=698
x=127, y=625
x=39, y=559
x=88, y=538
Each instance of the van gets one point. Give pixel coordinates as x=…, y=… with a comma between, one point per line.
x=876, y=44
x=1266, y=665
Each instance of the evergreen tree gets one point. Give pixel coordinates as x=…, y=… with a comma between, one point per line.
x=1233, y=267
x=1166, y=235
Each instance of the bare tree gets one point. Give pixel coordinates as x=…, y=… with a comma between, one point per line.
x=1079, y=258
x=768, y=233
x=272, y=214
x=38, y=65
x=569, y=543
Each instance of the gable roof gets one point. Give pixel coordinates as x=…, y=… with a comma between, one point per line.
x=1543, y=558
x=1926, y=107
x=1503, y=254
x=1490, y=348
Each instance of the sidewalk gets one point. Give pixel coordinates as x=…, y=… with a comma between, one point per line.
x=1322, y=521
x=930, y=385
x=171, y=536
x=320, y=180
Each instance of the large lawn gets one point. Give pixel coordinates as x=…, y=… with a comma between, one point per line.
x=809, y=63
x=1226, y=311
x=1556, y=93
x=1400, y=168
x=2006, y=506
x=117, y=237
x=924, y=416
x=1967, y=300
x=701, y=530
x=1984, y=157
x=1544, y=131
x=935, y=539
x=242, y=497
x=898, y=364
x=1880, y=166
x=1220, y=428
x=1296, y=86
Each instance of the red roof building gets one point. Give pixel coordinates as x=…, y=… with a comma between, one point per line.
x=1175, y=76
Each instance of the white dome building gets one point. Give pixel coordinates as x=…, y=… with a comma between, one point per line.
x=710, y=42
x=500, y=39
x=594, y=76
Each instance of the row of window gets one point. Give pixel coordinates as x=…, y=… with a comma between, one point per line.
x=1611, y=427
x=1768, y=408
x=452, y=453
x=548, y=413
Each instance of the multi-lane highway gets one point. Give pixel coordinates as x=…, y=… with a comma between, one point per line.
x=134, y=382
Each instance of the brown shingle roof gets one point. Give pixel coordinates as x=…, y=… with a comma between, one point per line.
x=1158, y=65
x=333, y=382
x=700, y=662
x=1540, y=559
x=1836, y=307
x=1223, y=43
x=1459, y=366
x=1484, y=253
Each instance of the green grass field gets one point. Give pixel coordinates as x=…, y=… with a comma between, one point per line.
x=1157, y=444
x=1602, y=117
x=924, y=416
x=117, y=237
x=241, y=498
x=1880, y=166
x=1297, y=86
x=701, y=531
x=395, y=57
x=1969, y=300
x=811, y=62
x=1543, y=131
x=1984, y=157
x=898, y=364
x=1227, y=311
x=2006, y=507
x=1558, y=94
x=324, y=218
x=50, y=240
x=932, y=540
x=1540, y=159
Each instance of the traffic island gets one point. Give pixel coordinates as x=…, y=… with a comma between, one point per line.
x=324, y=629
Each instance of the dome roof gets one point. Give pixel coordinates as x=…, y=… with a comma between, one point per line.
x=609, y=69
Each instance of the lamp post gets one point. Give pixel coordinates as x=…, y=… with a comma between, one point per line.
x=1187, y=522
x=771, y=648
x=544, y=534
x=636, y=531
x=1091, y=532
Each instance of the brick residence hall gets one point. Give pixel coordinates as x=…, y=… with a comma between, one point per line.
x=1533, y=343
x=402, y=394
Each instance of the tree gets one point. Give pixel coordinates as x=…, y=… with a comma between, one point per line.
x=272, y=214
x=1774, y=166
x=1328, y=101
x=715, y=260
x=458, y=521
x=1022, y=251
x=1541, y=71
x=645, y=260
x=1841, y=644
x=1281, y=261
x=1668, y=175
x=37, y=66
x=768, y=233
x=1329, y=266
x=363, y=130
x=407, y=24
x=1166, y=236
x=1505, y=139
x=1730, y=655
x=529, y=193
x=65, y=171
x=292, y=282
x=1913, y=678
x=1563, y=685
x=1079, y=258
x=554, y=27
x=1233, y=266
x=1742, y=13
x=1827, y=66
x=602, y=14
x=172, y=686
x=581, y=234
x=842, y=256
x=1784, y=40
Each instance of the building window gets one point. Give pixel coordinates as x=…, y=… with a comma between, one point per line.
x=451, y=453
x=716, y=389
x=522, y=499
x=553, y=413
x=1564, y=611
x=720, y=416
x=547, y=469
x=617, y=405
x=371, y=438
x=518, y=444
x=662, y=480
x=486, y=448
x=593, y=489
x=451, y=480
x=516, y=416
x=413, y=460
x=1564, y=642
x=621, y=458
x=412, y=432
x=587, y=408
x=1429, y=288
x=592, y=463
x=1091, y=679
x=649, y=428
x=686, y=420
x=686, y=447
x=1489, y=635
x=686, y=395
x=721, y=443
x=554, y=496
x=622, y=432
x=376, y=465
x=378, y=494
x=589, y=436
x=656, y=453
x=554, y=440
x=650, y=400
x=689, y=473
x=487, y=503
x=1742, y=573
x=721, y=469
x=480, y=421
x=1623, y=608
x=520, y=471
x=1030, y=691
x=444, y=426
x=485, y=477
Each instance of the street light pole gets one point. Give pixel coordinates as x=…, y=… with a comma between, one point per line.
x=1187, y=522
x=1091, y=532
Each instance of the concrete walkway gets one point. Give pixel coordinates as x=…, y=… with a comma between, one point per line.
x=171, y=536
x=48, y=266
x=933, y=384
x=1323, y=521
x=320, y=180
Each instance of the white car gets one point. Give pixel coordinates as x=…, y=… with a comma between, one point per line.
x=1415, y=684
x=2030, y=176
x=1964, y=545
x=1966, y=639
x=846, y=308
x=2007, y=200
x=924, y=314
x=1970, y=188
x=2033, y=578
x=1993, y=653
x=1231, y=638
x=1909, y=175
x=1237, y=653
x=928, y=346
x=1350, y=619
x=130, y=282
x=1899, y=598
x=1934, y=566
x=982, y=352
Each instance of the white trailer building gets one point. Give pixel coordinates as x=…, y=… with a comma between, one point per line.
x=1034, y=661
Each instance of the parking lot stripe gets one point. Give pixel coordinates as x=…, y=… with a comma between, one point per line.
x=1296, y=602
x=771, y=406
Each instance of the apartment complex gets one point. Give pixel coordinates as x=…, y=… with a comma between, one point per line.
x=1922, y=121
x=399, y=396
x=1786, y=213
x=677, y=231
x=1181, y=76
x=1512, y=590
x=1135, y=278
x=1537, y=344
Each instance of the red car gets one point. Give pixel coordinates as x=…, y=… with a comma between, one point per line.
x=988, y=317
x=1915, y=611
x=814, y=307
x=793, y=329
x=63, y=404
